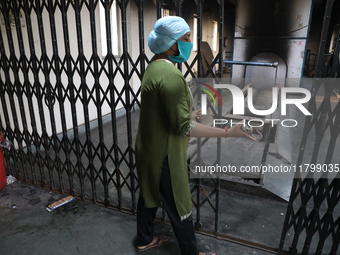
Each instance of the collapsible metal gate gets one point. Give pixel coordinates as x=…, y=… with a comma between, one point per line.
x=311, y=226
x=60, y=104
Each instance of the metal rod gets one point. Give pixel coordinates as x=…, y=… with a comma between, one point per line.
x=111, y=75
x=31, y=93
x=220, y=113
x=57, y=70
x=83, y=86
x=159, y=4
x=103, y=167
x=142, y=56
x=72, y=101
x=36, y=94
x=230, y=62
x=48, y=94
x=200, y=72
x=127, y=91
x=21, y=94
x=320, y=70
x=97, y=88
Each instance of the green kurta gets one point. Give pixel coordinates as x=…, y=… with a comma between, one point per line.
x=163, y=130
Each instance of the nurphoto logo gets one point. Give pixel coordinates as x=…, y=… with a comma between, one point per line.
x=240, y=99
x=277, y=113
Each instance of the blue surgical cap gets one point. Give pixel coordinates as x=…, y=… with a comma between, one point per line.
x=167, y=31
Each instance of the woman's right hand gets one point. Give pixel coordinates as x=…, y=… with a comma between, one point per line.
x=236, y=131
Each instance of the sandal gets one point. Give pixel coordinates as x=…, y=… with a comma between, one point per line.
x=158, y=242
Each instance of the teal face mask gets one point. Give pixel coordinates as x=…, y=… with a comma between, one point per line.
x=184, y=49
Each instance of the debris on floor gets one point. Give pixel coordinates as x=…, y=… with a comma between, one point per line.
x=59, y=203
x=10, y=179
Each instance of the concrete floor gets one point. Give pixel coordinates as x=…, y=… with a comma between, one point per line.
x=27, y=228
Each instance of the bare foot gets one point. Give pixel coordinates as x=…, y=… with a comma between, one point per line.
x=205, y=253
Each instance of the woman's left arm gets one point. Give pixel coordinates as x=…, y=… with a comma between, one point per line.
x=200, y=130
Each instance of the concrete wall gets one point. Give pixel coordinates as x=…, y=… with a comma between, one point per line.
x=277, y=27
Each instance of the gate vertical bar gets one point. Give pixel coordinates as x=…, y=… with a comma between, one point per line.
x=49, y=99
x=178, y=13
x=159, y=4
x=37, y=90
x=335, y=67
x=111, y=74
x=95, y=59
x=85, y=100
x=71, y=88
x=83, y=85
x=59, y=96
x=198, y=223
x=127, y=89
x=33, y=62
x=219, y=140
x=26, y=84
x=178, y=4
x=142, y=56
x=101, y=145
x=320, y=62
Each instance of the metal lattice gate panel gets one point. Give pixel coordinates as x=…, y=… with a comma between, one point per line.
x=313, y=213
x=70, y=72
x=59, y=90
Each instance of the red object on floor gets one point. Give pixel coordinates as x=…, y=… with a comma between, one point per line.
x=2, y=164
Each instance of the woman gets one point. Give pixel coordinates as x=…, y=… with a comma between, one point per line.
x=165, y=126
